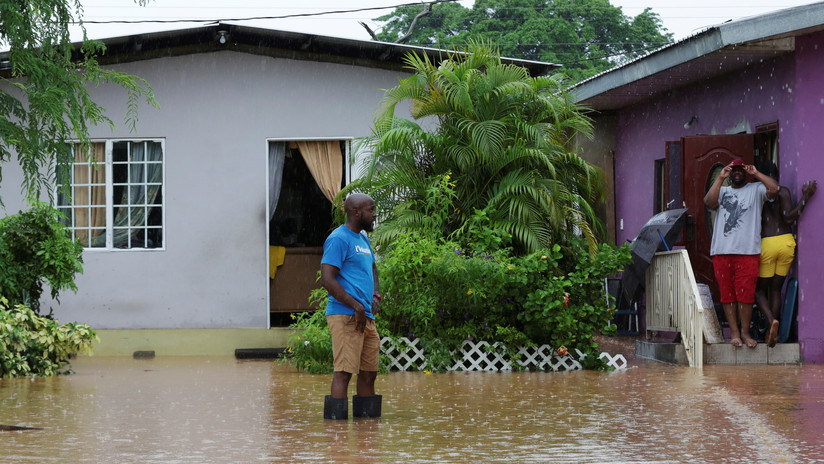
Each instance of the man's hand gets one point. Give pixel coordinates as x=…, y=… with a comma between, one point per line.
x=808, y=189
x=726, y=171
x=376, y=305
x=750, y=169
x=360, y=319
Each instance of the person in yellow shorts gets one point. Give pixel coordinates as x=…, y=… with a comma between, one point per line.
x=777, y=250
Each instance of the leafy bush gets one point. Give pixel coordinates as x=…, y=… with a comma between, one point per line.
x=36, y=249
x=309, y=347
x=36, y=346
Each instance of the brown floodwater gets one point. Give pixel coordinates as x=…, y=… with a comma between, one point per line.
x=220, y=410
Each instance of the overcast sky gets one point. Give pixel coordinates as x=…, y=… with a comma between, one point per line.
x=680, y=17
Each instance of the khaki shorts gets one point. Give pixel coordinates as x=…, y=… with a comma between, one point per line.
x=777, y=254
x=353, y=351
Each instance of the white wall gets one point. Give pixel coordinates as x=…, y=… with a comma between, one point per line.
x=217, y=111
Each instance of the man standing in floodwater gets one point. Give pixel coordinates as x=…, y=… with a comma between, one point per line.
x=349, y=274
x=777, y=249
x=736, y=241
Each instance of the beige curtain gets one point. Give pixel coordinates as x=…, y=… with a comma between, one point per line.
x=89, y=192
x=325, y=162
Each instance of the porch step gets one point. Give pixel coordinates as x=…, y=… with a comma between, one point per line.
x=673, y=353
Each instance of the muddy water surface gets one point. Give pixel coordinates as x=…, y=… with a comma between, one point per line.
x=219, y=410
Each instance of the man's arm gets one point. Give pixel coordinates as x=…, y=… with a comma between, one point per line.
x=711, y=198
x=329, y=281
x=790, y=212
x=376, y=297
x=769, y=182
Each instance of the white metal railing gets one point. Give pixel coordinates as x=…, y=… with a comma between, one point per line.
x=674, y=301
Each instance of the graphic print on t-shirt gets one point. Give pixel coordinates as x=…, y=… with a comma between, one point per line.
x=735, y=211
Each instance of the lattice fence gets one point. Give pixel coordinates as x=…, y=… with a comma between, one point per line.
x=405, y=355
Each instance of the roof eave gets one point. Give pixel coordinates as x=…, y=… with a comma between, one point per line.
x=269, y=42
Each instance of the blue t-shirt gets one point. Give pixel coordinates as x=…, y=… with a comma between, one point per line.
x=352, y=254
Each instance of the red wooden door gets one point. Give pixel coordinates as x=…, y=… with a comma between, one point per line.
x=704, y=158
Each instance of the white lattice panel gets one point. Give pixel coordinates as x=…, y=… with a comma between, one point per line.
x=618, y=361
x=404, y=355
x=481, y=356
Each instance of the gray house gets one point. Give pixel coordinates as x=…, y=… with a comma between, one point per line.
x=210, y=220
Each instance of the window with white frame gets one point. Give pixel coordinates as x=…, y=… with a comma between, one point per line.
x=115, y=197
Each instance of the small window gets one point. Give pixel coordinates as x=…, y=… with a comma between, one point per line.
x=765, y=142
x=660, y=186
x=115, y=199
x=710, y=214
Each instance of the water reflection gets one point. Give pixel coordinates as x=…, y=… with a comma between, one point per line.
x=216, y=410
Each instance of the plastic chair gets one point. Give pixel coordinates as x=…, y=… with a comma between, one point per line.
x=613, y=291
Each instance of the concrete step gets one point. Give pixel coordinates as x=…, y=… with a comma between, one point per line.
x=673, y=353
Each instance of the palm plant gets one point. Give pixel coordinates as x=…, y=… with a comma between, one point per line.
x=502, y=137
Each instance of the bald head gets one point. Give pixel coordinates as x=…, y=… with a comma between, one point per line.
x=355, y=202
x=360, y=212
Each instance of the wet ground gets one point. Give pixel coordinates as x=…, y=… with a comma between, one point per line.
x=220, y=410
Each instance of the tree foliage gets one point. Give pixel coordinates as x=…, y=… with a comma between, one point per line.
x=37, y=250
x=44, y=97
x=586, y=36
x=500, y=140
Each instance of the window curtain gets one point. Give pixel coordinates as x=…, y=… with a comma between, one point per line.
x=277, y=153
x=89, y=193
x=325, y=162
x=145, y=180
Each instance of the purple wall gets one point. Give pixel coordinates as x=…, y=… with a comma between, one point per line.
x=785, y=89
x=809, y=123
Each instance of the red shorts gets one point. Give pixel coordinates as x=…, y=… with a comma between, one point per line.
x=736, y=276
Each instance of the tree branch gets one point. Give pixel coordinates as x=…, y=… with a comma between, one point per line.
x=427, y=10
x=369, y=30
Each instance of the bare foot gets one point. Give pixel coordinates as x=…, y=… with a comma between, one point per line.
x=750, y=342
x=735, y=341
x=772, y=338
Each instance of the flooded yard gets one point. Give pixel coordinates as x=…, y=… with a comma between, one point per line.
x=221, y=410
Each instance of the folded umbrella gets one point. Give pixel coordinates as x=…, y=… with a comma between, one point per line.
x=658, y=234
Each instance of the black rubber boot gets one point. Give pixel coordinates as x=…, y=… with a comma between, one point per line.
x=335, y=408
x=366, y=406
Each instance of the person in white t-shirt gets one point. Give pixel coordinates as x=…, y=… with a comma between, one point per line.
x=736, y=242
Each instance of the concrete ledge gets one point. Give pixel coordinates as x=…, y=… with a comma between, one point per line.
x=673, y=353
x=188, y=342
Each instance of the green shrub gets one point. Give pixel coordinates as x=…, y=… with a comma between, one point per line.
x=36, y=249
x=309, y=347
x=36, y=346
x=444, y=296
